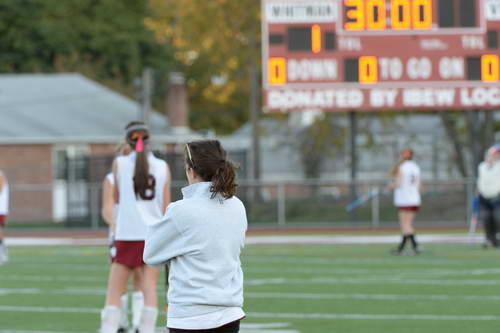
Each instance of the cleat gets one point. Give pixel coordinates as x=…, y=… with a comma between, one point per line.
x=395, y=252
x=4, y=256
x=121, y=330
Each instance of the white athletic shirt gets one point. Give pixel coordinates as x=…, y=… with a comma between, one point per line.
x=488, y=181
x=134, y=213
x=407, y=194
x=4, y=197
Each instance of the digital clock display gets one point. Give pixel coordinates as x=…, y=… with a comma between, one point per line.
x=408, y=15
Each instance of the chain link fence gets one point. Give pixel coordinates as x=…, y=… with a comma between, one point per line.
x=274, y=204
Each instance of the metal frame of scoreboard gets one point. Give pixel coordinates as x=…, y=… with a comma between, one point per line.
x=364, y=55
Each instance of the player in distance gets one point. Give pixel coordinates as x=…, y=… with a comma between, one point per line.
x=142, y=192
x=109, y=211
x=488, y=187
x=4, y=211
x=407, y=198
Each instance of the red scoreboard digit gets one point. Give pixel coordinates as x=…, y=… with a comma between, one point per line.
x=344, y=55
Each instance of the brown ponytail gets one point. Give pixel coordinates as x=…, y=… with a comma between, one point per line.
x=405, y=155
x=224, y=180
x=142, y=179
x=137, y=137
x=208, y=160
x=395, y=169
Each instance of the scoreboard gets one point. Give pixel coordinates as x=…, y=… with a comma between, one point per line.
x=368, y=55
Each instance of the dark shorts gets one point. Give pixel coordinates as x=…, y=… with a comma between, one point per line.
x=409, y=208
x=3, y=220
x=233, y=327
x=129, y=253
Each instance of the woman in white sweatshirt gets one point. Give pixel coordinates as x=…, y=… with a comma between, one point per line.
x=201, y=237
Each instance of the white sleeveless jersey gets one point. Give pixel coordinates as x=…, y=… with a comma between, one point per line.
x=134, y=213
x=408, y=192
x=4, y=198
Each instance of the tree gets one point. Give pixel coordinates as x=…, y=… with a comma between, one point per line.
x=470, y=133
x=106, y=40
x=318, y=143
x=213, y=46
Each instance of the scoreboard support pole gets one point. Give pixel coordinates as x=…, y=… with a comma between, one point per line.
x=353, y=133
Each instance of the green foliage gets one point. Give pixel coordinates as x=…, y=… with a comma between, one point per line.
x=318, y=142
x=215, y=42
x=106, y=40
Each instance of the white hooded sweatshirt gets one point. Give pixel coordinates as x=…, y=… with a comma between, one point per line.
x=201, y=239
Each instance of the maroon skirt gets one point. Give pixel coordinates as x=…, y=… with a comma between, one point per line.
x=129, y=253
x=410, y=208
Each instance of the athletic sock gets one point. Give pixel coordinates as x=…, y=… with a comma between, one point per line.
x=124, y=311
x=148, y=319
x=413, y=241
x=4, y=255
x=137, y=305
x=403, y=243
x=110, y=319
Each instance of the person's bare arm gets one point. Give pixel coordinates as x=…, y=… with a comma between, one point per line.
x=166, y=191
x=116, y=192
x=2, y=181
x=108, y=202
x=396, y=182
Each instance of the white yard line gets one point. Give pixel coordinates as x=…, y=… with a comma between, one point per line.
x=296, y=270
x=284, y=259
x=374, y=271
x=307, y=296
x=274, y=239
x=245, y=328
x=378, y=297
x=328, y=316
x=46, y=241
x=370, y=316
x=8, y=308
x=53, y=278
x=365, y=239
x=375, y=280
x=285, y=281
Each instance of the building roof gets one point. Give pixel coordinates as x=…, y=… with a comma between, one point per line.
x=64, y=108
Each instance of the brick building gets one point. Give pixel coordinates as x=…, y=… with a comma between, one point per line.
x=48, y=122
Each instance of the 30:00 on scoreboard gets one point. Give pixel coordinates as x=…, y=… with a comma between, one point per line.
x=400, y=15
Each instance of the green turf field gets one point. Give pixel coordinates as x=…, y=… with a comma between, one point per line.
x=311, y=289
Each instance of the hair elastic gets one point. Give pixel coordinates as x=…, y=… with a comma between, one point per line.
x=139, y=146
